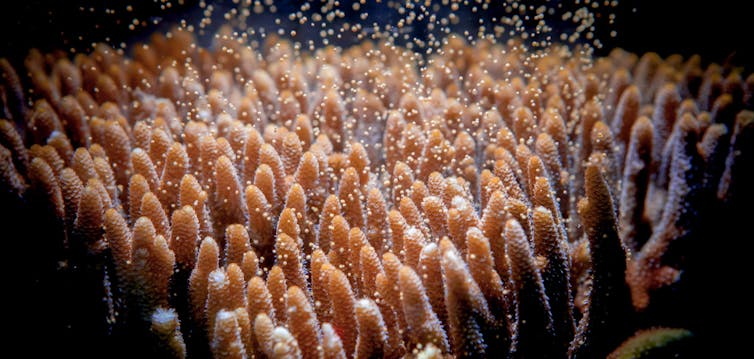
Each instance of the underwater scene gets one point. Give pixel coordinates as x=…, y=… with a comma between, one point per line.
x=375, y=179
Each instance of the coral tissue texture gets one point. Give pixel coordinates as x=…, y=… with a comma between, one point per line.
x=236, y=203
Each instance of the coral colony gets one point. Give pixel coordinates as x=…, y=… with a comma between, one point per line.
x=474, y=196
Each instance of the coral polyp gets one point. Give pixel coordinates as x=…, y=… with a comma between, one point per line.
x=485, y=200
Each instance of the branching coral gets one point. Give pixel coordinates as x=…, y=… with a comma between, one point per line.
x=236, y=203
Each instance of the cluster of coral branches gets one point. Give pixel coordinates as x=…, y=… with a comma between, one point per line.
x=350, y=203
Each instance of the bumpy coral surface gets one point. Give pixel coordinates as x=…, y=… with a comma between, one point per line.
x=237, y=203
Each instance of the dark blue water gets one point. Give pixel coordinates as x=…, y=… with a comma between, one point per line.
x=715, y=31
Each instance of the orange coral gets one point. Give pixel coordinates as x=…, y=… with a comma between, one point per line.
x=349, y=203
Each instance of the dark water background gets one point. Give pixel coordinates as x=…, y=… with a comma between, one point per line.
x=717, y=30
